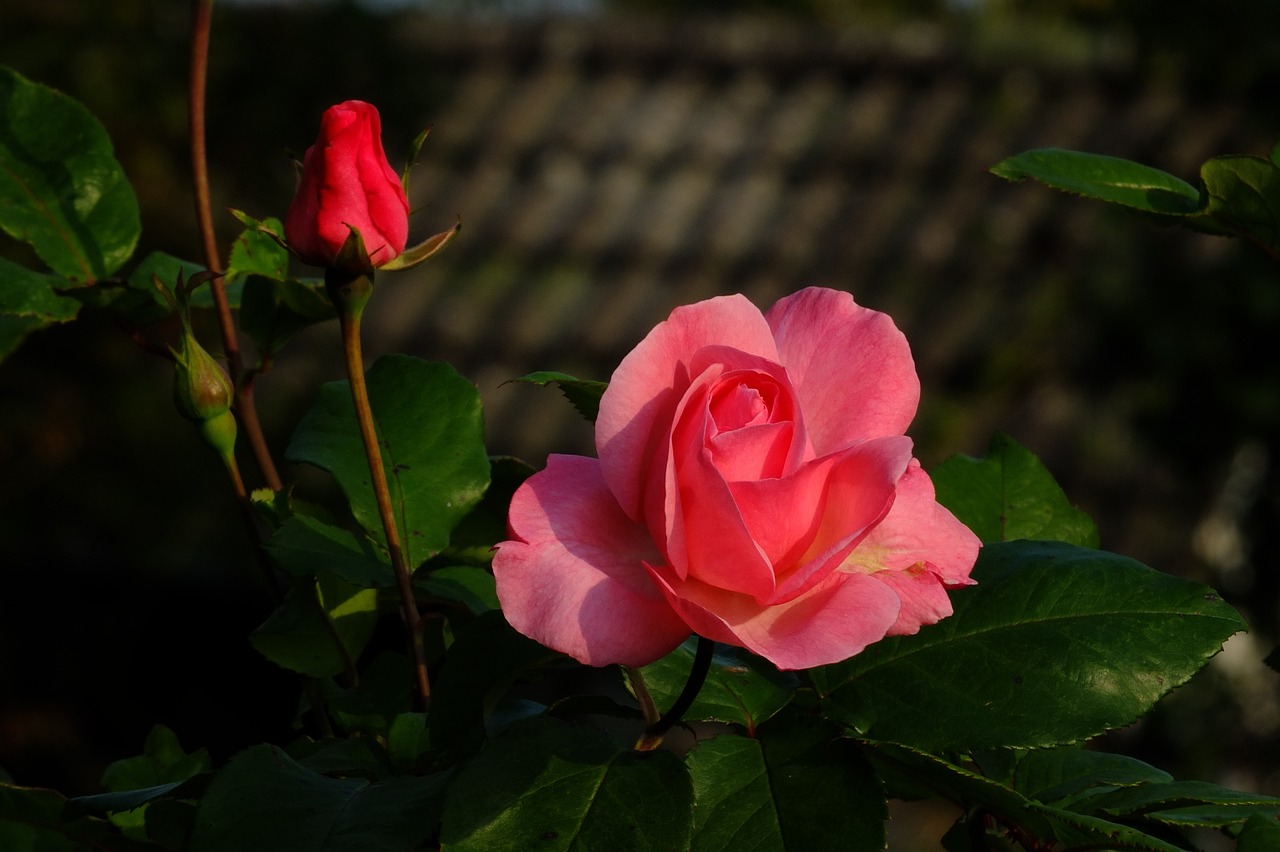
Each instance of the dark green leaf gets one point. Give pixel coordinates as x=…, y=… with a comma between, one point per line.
x=384, y=693
x=741, y=688
x=14, y=330
x=36, y=820
x=469, y=585
x=1056, y=775
x=474, y=536
x=26, y=293
x=257, y=253
x=1010, y=495
x=1185, y=803
x=361, y=757
x=162, y=762
x=272, y=311
x=760, y=795
x=30, y=301
x=1104, y=178
x=304, y=547
x=485, y=658
x=970, y=790
x=584, y=394
x=549, y=785
x=407, y=741
x=61, y=189
x=430, y=428
x=264, y=801
x=1054, y=645
x=320, y=628
x=1244, y=194
x=1260, y=834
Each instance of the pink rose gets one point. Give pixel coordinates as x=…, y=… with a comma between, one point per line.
x=348, y=184
x=753, y=486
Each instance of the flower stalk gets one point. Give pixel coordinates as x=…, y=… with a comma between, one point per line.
x=244, y=407
x=652, y=736
x=350, y=293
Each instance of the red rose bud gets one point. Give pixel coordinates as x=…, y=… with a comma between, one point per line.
x=348, y=188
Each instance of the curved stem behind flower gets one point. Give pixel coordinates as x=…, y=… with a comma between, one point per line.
x=653, y=735
x=245, y=409
x=349, y=319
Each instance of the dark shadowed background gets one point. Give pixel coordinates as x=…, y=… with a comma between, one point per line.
x=610, y=161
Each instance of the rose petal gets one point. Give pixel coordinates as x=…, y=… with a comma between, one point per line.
x=634, y=421
x=573, y=576
x=851, y=367
x=918, y=530
x=832, y=622
x=924, y=598
x=706, y=536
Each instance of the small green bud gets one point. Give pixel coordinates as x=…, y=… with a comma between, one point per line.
x=201, y=388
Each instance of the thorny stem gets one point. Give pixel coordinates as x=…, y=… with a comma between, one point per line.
x=653, y=735
x=349, y=296
x=245, y=409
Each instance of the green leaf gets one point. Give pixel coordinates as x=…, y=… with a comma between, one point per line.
x=320, y=628
x=384, y=693
x=1054, y=645
x=474, y=536
x=801, y=791
x=61, y=189
x=549, y=785
x=1185, y=803
x=344, y=757
x=304, y=546
x=1010, y=495
x=471, y=586
x=1244, y=194
x=1260, y=834
x=25, y=293
x=14, y=330
x=971, y=791
x=1104, y=178
x=741, y=688
x=37, y=820
x=30, y=301
x=1063, y=774
x=430, y=427
x=583, y=393
x=407, y=741
x=264, y=801
x=257, y=253
x=485, y=658
x=162, y=762
x=272, y=311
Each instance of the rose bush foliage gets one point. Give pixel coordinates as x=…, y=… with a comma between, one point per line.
x=753, y=486
x=347, y=185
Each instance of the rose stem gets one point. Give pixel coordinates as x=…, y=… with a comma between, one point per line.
x=245, y=409
x=653, y=735
x=349, y=295
x=648, y=709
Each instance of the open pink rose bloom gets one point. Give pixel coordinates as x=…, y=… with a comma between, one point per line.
x=754, y=486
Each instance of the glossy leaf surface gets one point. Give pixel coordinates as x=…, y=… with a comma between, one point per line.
x=429, y=425
x=1054, y=645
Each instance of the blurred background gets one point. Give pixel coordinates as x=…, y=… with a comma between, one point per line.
x=610, y=160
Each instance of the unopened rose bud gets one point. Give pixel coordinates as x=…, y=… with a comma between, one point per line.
x=203, y=394
x=348, y=192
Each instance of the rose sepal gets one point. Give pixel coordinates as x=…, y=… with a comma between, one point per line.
x=423, y=251
x=413, y=158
